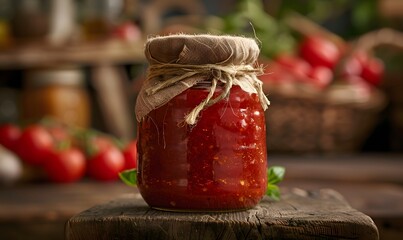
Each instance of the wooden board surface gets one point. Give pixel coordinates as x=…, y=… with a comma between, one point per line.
x=300, y=214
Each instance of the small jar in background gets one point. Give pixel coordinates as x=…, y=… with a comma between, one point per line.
x=97, y=17
x=29, y=20
x=58, y=93
x=5, y=33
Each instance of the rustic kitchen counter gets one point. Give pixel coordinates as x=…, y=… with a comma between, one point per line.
x=372, y=184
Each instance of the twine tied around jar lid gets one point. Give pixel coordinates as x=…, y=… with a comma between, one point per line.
x=178, y=62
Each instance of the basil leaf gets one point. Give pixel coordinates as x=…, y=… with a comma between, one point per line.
x=129, y=177
x=275, y=174
x=273, y=191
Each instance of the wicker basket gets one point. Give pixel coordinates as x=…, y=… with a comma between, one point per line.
x=325, y=122
x=299, y=121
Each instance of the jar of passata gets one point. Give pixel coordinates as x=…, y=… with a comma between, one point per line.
x=57, y=92
x=201, y=131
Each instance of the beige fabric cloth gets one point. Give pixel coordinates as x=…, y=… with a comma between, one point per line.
x=178, y=62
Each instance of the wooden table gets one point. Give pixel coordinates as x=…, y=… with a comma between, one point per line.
x=40, y=210
x=300, y=214
x=372, y=184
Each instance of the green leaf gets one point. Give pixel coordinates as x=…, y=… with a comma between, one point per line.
x=129, y=177
x=273, y=191
x=275, y=174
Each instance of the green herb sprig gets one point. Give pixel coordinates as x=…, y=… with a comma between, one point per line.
x=129, y=177
x=275, y=174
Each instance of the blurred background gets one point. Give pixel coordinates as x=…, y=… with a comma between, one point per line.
x=73, y=68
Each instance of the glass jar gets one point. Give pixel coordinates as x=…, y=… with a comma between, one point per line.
x=218, y=164
x=5, y=33
x=56, y=92
x=97, y=17
x=201, y=130
x=30, y=20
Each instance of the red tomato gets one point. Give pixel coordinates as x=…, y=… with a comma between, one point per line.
x=130, y=155
x=319, y=51
x=373, y=71
x=296, y=65
x=9, y=134
x=100, y=142
x=321, y=76
x=65, y=166
x=351, y=67
x=106, y=164
x=361, y=56
x=127, y=31
x=34, y=144
x=94, y=143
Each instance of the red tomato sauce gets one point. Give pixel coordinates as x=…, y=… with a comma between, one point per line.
x=218, y=164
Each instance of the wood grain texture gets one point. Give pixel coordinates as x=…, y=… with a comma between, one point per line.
x=363, y=168
x=40, y=211
x=322, y=214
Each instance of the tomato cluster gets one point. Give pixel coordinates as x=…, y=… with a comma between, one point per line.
x=319, y=62
x=67, y=155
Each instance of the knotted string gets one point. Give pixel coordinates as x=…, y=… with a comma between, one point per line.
x=171, y=74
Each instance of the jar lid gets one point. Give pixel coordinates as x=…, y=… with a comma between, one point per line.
x=179, y=62
x=54, y=76
x=202, y=49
